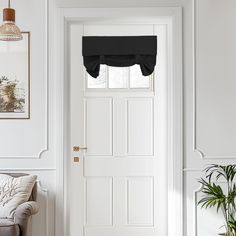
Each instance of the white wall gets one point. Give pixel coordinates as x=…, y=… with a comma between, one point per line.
x=28, y=146
x=210, y=129
x=209, y=114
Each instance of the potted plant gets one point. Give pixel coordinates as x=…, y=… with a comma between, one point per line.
x=221, y=198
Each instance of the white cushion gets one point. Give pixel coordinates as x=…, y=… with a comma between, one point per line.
x=13, y=192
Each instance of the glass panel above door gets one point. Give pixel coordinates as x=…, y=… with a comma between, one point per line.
x=118, y=77
x=137, y=80
x=100, y=81
x=122, y=78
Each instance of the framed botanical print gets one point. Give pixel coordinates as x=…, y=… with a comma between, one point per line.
x=15, y=78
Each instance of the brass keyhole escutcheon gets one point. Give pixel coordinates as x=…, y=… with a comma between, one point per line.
x=76, y=159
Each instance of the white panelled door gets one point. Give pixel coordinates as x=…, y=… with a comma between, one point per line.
x=118, y=184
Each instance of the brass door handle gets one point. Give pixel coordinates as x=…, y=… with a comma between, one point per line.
x=77, y=148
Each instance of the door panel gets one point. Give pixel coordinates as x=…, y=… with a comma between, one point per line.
x=140, y=127
x=99, y=127
x=120, y=166
x=114, y=187
x=99, y=201
x=140, y=205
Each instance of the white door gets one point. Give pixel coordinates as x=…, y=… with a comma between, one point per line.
x=118, y=182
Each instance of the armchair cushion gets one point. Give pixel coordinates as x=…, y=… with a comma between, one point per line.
x=14, y=192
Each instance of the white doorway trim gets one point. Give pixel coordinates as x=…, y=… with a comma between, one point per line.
x=175, y=101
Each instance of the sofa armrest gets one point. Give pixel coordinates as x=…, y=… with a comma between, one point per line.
x=26, y=209
x=23, y=215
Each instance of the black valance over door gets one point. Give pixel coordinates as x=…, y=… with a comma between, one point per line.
x=120, y=51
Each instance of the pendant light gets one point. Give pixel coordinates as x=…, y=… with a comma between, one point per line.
x=9, y=31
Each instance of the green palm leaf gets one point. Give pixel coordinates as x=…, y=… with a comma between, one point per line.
x=216, y=196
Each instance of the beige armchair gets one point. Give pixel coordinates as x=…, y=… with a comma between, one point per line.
x=21, y=224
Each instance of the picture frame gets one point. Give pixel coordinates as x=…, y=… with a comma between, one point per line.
x=15, y=78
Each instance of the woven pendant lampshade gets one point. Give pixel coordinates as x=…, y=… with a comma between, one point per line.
x=9, y=31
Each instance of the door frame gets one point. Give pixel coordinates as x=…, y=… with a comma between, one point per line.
x=66, y=16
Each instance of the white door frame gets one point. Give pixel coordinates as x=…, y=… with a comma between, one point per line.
x=67, y=16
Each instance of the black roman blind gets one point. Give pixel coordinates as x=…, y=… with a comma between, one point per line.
x=119, y=51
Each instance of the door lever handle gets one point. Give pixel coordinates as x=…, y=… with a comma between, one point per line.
x=77, y=148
